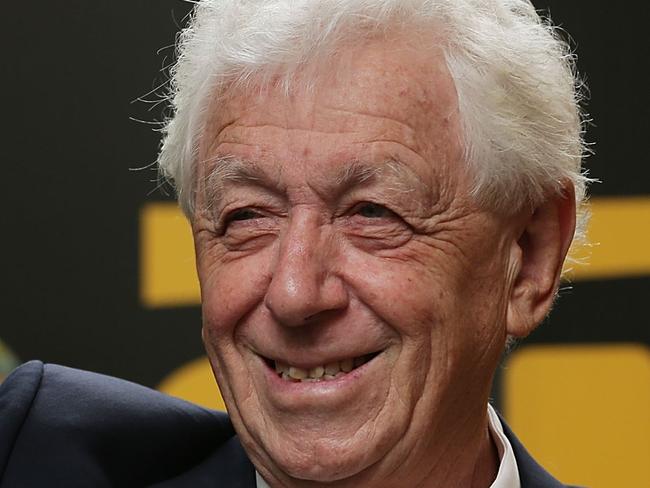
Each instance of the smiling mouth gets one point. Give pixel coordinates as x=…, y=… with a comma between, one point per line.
x=326, y=372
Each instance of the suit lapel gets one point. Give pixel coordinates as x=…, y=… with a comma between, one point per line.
x=531, y=474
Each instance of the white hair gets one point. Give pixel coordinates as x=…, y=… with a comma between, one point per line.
x=518, y=94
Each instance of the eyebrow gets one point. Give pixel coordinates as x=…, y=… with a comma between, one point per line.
x=232, y=170
x=229, y=169
x=359, y=173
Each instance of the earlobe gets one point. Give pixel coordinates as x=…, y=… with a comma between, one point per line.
x=537, y=258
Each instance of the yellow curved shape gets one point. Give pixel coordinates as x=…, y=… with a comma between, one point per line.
x=195, y=383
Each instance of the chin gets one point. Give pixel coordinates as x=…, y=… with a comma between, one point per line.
x=321, y=461
x=323, y=472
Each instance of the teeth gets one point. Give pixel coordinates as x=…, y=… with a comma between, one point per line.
x=347, y=365
x=298, y=373
x=332, y=368
x=328, y=372
x=317, y=372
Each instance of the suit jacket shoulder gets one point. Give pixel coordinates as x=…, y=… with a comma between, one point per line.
x=64, y=427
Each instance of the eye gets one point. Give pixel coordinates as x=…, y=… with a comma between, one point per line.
x=373, y=211
x=242, y=214
x=372, y=227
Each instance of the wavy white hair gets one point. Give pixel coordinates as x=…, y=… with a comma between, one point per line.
x=517, y=89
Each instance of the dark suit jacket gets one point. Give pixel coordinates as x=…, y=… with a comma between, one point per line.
x=61, y=427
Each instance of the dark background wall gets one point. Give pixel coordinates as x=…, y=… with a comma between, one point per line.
x=70, y=74
x=71, y=198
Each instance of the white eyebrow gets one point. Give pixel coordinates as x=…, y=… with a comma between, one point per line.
x=357, y=173
x=230, y=169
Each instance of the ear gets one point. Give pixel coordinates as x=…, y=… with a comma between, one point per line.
x=536, y=261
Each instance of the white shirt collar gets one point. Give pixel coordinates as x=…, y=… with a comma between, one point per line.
x=508, y=475
x=260, y=483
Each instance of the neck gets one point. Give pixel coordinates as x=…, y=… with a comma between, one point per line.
x=473, y=464
x=487, y=463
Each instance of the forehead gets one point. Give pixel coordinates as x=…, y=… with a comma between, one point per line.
x=387, y=89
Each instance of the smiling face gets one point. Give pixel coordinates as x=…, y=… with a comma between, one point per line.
x=354, y=298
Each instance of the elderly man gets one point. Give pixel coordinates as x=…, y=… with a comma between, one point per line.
x=382, y=194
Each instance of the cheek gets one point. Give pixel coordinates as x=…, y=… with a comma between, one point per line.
x=231, y=288
x=446, y=308
x=411, y=295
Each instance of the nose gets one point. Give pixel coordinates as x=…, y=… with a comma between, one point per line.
x=305, y=285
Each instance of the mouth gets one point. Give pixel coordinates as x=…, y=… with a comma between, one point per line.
x=325, y=372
